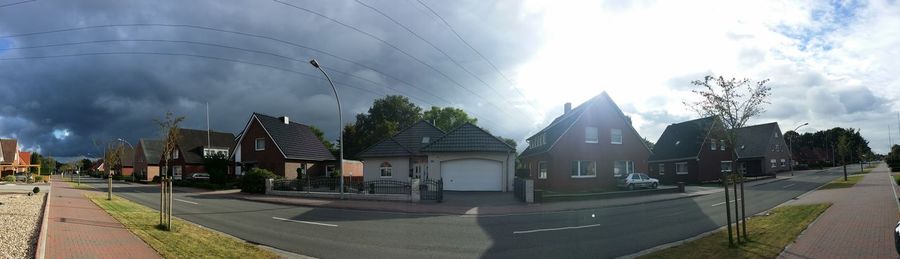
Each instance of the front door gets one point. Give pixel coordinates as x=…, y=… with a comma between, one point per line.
x=419, y=171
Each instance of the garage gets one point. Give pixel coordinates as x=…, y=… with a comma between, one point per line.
x=472, y=175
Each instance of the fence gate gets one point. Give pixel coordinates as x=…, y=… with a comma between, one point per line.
x=432, y=190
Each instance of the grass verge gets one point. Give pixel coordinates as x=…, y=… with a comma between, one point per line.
x=840, y=183
x=897, y=178
x=186, y=241
x=769, y=235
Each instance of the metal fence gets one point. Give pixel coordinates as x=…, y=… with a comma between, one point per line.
x=432, y=190
x=519, y=188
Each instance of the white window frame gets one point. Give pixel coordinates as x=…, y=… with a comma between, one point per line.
x=256, y=145
x=783, y=162
x=712, y=144
x=629, y=168
x=774, y=163
x=542, y=169
x=588, y=131
x=578, y=166
x=662, y=169
x=723, y=163
x=176, y=172
x=682, y=165
x=389, y=169
x=613, y=133
x=175, y=154
x=722, y=144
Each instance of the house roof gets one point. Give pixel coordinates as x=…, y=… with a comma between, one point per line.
x=408, y=141
x=468, y=138
x=564, y=122
x=8, y=149
x=127, y=156
x=753, y=141
x=682, y=140
x=295, y=140
x=24, y=158
x=153, y=149
x=193, y=141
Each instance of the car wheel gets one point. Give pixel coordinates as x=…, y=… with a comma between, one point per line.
x=631, y=187
x=654, y=185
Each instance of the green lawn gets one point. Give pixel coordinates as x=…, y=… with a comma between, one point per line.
x=186, y=241
x=897, y=178
x=769, y=235
x=840, y=183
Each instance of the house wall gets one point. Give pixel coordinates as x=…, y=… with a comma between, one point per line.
x=571, y=146
x=710, y=164
x=776, y=153
x=400, y=168
x=151, y=171
x=270, y=158
x=507, y=164
x=127, y=171
x=669, y=175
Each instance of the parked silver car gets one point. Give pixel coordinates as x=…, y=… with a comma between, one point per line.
x=637, y=180
x=200, y=176
x=23, y=176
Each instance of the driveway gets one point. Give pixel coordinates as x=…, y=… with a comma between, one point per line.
x=480, y=199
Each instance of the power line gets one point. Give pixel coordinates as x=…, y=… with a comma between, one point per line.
x=441, y=18
x=454, y=61
x=198, y=27
x=391, y=46
x=16, y=3
x=203, y=44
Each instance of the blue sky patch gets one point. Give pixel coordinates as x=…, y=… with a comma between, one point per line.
x=837, y=14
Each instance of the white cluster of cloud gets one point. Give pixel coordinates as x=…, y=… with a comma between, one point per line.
x=832, y=64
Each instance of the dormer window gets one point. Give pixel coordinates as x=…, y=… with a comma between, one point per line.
x=425, y=140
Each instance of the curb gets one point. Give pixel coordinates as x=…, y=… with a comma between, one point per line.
x=40, y=251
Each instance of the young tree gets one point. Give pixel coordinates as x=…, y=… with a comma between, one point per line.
x=734, y=102
x=844, y=149
x=448, y=118
x=113, y=158
x=170, y=134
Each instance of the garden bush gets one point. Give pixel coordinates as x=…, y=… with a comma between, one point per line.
x=9, y=178
x=36, y=190
x=38, y=179
x=255, y=180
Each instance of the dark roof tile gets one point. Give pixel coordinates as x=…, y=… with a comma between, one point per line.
x=468, y=138
x=296, y=140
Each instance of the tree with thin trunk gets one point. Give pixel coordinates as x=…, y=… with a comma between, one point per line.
x=734, y=102
x=170, y=134
x=844, y=151
x=113, y=158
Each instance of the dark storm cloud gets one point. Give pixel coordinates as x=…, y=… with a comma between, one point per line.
x=104, y=97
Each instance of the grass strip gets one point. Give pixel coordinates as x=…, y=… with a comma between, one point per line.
x=840, y=183
x=187, y=240
x=769, y=235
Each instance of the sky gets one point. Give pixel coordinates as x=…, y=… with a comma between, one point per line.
x=102, y=70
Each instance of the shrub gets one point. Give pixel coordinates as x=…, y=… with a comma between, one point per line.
x=9, y=178
x=38, y=179
x=36, y=190
x=156, y=179
x=255, y=180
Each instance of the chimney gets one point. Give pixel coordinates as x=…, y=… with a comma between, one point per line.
x=567, y=108
x=285, y=119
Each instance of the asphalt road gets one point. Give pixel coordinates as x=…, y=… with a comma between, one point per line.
x=589, y=233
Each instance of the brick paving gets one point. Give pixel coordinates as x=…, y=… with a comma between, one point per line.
x=78, y=228
x=859, y=223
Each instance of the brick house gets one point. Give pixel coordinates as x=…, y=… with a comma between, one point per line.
x=147, y=155
x=761, y=149
x=467, y=158
x=691, y=152
x=585, y=148
x=281, y=146
x=192, y=147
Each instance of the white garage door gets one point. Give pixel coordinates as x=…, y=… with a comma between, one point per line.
x=472, y=175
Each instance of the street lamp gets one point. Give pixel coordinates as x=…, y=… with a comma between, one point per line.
x=340, y=166
x=791, y=144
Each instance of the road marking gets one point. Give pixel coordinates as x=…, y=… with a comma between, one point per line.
x=789, y=185
x=554, y=229
x=191, y=202
x=717, y=204
x=304, y=222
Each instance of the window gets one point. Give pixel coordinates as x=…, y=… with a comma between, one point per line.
x=773, y=162
x=712, y=144
x=722, y=144
x=260, y=144
x=777, y=148
x=591, y=135
x=537, y=141
x=542, y=170
x=623, y=167
x=635, y=177
x=726, y=166
x=426, y=140
x=615, y=136
x=387, y=170
x=584, y=169
x=645, y=177
x=175, y=154
x=681, y=168
x=783, y=162
x=176, y=172
x=662, y=169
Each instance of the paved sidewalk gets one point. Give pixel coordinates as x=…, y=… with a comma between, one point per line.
x=78, y=228
x=859, y=223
